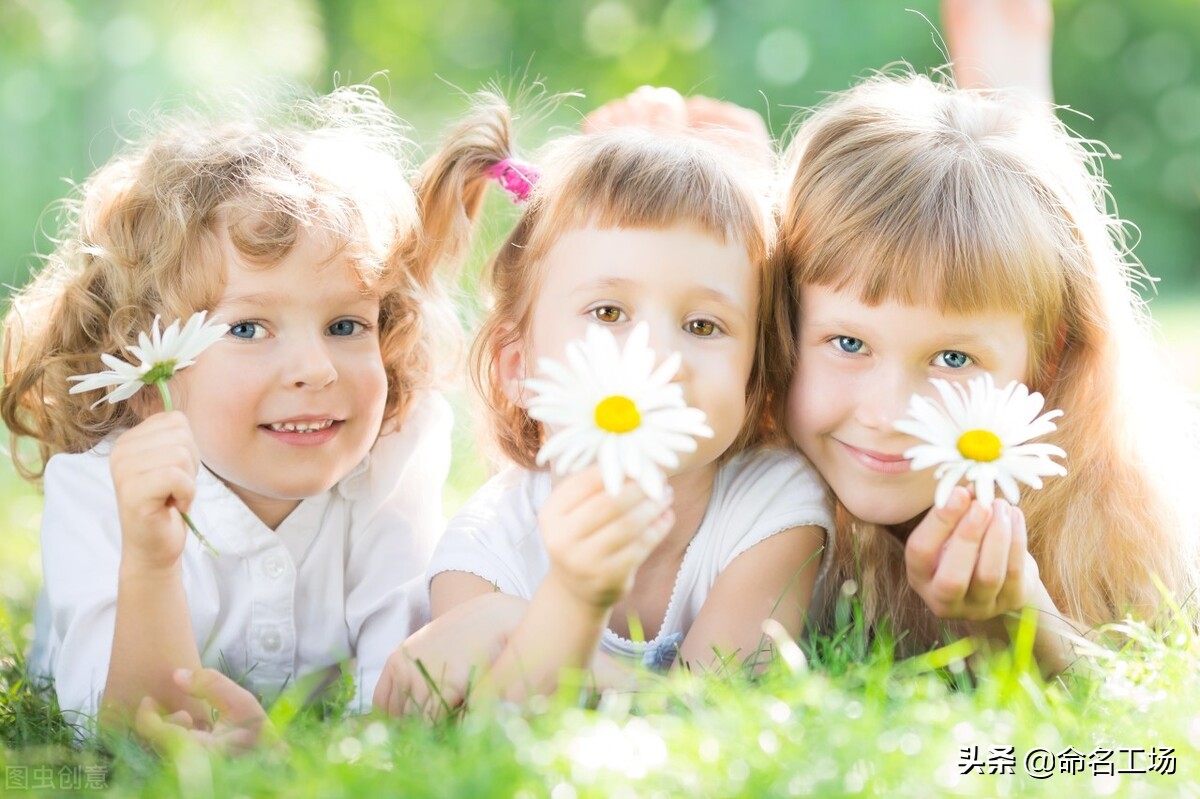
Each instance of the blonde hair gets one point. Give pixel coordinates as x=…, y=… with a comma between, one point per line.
x=143, y=237
x=906, y=190
x=630, y=179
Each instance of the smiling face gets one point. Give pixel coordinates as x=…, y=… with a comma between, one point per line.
x=293, y=397
x=698, y=296
x=858, y=365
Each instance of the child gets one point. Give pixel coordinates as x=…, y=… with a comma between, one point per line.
x=309, y=446
x=627, y=227
x=937, y=232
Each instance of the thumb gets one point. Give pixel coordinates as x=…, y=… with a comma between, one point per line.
x=227, y=697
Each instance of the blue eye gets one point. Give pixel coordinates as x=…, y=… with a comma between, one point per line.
x=848, y=344
x=246, y=330
x=345, y=327
x=952, y=359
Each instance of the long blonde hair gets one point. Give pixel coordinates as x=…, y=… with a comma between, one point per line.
x=142, y=237
x=631, y=179
x=907, y=190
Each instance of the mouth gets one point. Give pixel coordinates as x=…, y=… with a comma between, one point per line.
x=882, y=462
x=309, y=426
x=309, y=431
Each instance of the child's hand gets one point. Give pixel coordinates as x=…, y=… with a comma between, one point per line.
x=433, y=672
x=968, y=561
x=596, y=542
x=238, y=722
x=662, y=109
x=154, y=467
x=653, y=107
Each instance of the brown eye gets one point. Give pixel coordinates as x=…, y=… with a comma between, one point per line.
x=701, y=327
x=607, y=314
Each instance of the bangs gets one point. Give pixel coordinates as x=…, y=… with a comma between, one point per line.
x=964, y=234
x=632, y=179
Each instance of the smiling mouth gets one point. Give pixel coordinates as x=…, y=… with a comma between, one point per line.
x=300, y=427
x=879, y=461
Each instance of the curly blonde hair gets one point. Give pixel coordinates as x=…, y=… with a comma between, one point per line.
x=902, y=189
x=635, y=179
x=143, y=238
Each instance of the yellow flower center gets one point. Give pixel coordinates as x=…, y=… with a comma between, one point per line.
x=980, y=445
x=617, y=414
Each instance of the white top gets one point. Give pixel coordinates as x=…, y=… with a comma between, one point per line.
x=341, y=577
x=755, y=495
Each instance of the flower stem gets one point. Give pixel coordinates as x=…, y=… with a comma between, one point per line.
x=165, y=393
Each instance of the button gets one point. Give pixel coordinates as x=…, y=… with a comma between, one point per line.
x=271, y=640
x=272, y=566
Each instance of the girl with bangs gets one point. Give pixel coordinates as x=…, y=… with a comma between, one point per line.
x=310, y=443
x=934, y=232
x=537, y=573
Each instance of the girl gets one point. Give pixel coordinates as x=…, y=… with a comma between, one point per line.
x=935, y=232
x=626, y=227
x=309, y=445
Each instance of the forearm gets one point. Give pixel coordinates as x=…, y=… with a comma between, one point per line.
x=152, y=638
x=557, y=632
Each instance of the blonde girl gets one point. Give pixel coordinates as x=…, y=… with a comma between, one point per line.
x=625, y=227
x=309, y=444
x=929, y=231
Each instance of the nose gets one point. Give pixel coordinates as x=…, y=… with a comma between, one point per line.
x=883, y=398
x=307, y=363
x=665, y=339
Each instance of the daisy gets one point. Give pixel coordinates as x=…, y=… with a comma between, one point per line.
x=160, y=355
x=614, y=406
x=979, y=434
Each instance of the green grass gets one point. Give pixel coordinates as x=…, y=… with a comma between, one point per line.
x=843, y=717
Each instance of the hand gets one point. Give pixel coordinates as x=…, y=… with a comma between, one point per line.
x=596, y=542
x=432, y=672
x=656, y=108
x=154, y=467
x=237, y=723
x=968, y=561
x=664, y=110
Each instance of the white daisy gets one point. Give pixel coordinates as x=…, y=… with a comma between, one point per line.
x=614, y=406
x=160, y=355
x=979, y=434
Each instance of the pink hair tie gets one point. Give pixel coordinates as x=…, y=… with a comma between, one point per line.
x=515, y=177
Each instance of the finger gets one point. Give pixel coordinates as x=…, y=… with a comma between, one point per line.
x=631, y=529
x=991, y=568
x=602, y=509
x=956, y=566
x=576, y=488
x=232, y=701
x=1012, y=596
x=924, y=546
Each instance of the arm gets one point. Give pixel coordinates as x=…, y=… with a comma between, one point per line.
x=154, y=468
x=971, y=562
x=1001, y=44
x=772, y=580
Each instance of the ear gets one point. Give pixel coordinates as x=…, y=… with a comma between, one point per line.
x=511, y=367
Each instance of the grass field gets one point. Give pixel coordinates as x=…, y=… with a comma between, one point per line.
x=843, y=717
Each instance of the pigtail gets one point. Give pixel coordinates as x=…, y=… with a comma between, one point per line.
x=451, y=185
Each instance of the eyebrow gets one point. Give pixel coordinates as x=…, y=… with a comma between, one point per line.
x=264, y=298
x=625, y=283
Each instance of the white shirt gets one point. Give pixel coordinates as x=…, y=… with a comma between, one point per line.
x=340, y=577
x=755, y=495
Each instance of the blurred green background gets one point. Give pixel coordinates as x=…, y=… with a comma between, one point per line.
x=75, y=74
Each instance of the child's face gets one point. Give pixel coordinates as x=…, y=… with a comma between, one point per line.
x=303, y=351
x=699, y=297
x=857, y=367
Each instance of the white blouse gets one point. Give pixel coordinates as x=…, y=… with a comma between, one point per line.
x=341, y=577
x=756, y=494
